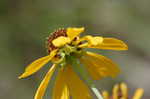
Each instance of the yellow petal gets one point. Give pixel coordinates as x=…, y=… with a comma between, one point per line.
x=100, y=65
x=124, y=90
x=116, y=91
x=138, y=94
x=60, y=86
x=110, y=44
x=91, y=69
x=92, y=41
x=74, y=32
x=60, y=41
x=65, y=93
x=42, y=88
x=37, y=64
x=105, y=95
x=77, y=87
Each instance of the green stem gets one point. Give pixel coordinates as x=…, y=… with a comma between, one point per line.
x=97, y=93
x=79, y=69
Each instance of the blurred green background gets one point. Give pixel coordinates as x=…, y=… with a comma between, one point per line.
x=24, y=25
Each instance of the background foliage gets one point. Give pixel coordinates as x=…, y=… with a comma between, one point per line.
x=24, y=25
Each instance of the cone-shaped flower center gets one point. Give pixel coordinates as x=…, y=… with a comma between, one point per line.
x=54, y=35
x=60, y=40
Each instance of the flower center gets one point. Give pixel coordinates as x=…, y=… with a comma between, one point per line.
x=54, y=35
x=64, y=51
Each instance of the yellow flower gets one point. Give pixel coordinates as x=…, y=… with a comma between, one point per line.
x=120, y=91
x=66, y=52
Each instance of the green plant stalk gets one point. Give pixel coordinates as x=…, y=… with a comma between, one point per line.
x=79, y=69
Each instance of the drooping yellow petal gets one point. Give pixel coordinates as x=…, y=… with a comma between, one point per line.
x=93, y=71
x=124, y=90
x=60, y=86
x=106, y=63
x=60, y=41
x=105, y=95
x=115, y=91
x=65, y=93
x=77, y=88
x=110, y=44
x=99, y=66
x=138, y=94
x=42, y=88
x=74, y=32
x=92, y=41
x=37, y=64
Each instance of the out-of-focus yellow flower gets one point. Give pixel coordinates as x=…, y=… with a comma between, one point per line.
x=120, y=91
x=66, y=52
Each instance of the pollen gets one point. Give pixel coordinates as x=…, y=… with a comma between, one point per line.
x=60, y=32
